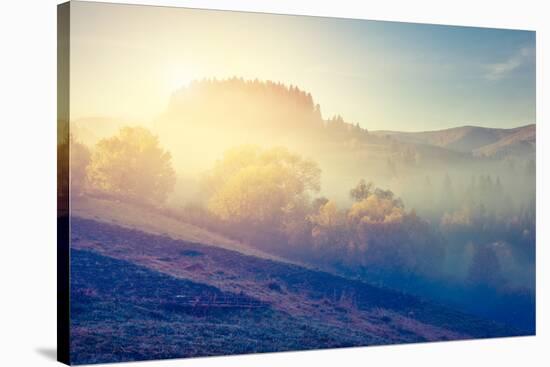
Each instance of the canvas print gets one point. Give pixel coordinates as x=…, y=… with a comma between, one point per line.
x=233, y=182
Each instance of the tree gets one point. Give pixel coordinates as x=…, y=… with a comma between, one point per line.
x=376, y=233
x=447, y=193
x=376, y=209
x=318, y=203
x=133, y=165
x=328, y=227
x=261, y=187
x=79, y=160
x=485, y=267
x=361, y=191
x=328, y=216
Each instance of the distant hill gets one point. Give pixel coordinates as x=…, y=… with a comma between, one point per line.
x=480, y=141
x=237, y=111
x=244, y=104
x=226, y=113
x=520, y=142
x=244, y=111
x=207, y=117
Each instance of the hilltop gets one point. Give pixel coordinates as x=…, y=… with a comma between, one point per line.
x=254, y=110
x=208, y=117
x=477, y=140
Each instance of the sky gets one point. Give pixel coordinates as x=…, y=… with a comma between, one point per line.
x=127, y=60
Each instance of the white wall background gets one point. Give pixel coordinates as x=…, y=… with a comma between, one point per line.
x=27, y=183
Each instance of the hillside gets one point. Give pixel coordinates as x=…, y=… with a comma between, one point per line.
x=519, y=143
x=144, y=218
x=167, y=317
x=194, y=299
x=470, y=139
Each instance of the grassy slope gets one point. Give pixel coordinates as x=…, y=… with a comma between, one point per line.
x=123, y=312
x=136, y=217
x=139, y=306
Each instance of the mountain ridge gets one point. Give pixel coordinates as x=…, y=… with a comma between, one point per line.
x=477, y=140
x=384, y=131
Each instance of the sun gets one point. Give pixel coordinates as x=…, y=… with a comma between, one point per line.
x=179, y=77
x=180, y=81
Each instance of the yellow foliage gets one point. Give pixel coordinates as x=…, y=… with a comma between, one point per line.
x=132, y=164
x=374, y=209
x=260, y=186
x=460, y=218
x=328, y=216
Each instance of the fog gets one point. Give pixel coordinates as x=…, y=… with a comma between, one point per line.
x=258, y=162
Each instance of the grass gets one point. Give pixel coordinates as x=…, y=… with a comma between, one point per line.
x=123, y=312
x=145, y=219
x=137, y=295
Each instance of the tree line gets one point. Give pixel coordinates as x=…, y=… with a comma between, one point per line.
x=270, y=198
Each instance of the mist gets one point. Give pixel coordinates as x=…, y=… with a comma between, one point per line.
x=448, y=215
